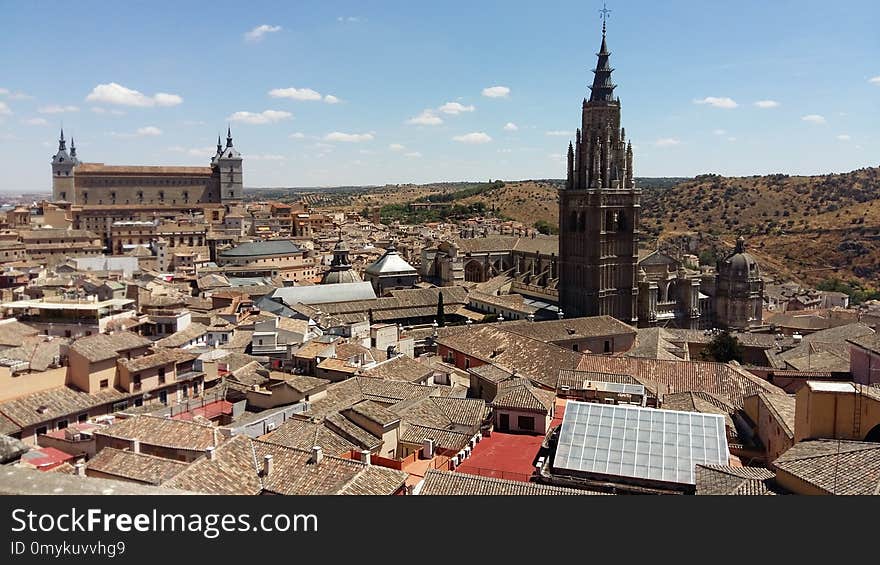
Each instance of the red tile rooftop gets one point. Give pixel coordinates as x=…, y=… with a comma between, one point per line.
x=504, y=456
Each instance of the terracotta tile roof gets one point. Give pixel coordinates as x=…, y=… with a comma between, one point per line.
x=782, y=408
x=401, y=368
x=869, y=342
x=462, y=411
x=55, y=403
x=181, y=338
x=835, y=467
x=363, y=439
x=570, y=328
x=575, y=381
x=445, y=483
x=157, y=359
x=373, y=412
x=245, y=377
x=526, y=398
x=164, y=432
x=100, y=347
x=304, y=434
x=444, y=439
x=304, y=384
x=531, y=358
x=722, y=379
x=13, y=332
x=238, y=464
x=727, y=480
x=138, y=467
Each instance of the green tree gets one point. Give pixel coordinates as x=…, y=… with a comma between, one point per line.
x=723, y=348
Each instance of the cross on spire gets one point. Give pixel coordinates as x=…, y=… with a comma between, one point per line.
x=604, y=13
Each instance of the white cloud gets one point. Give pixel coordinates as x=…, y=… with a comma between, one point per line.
x=496, y=92
x=259, y=32
x=147, y=131
x=667, y=142
x=556, y=157
x=265, y=117
x=396, y=147
x=413, y=155
x=297, y=135
x=473, y=138
x=303, y=94
x=264, y=157
x=731, y=139
x=194, y=151
x=814, y=119
x=719, y=131
x=115, y=112
x=508, y=150
x=348, y=137
x=716, y=102
x=56, y=109
x=35, y=122
x=454, y=108
x=844, y=137
x=4, y=109
x=113, y=93
x=765, y=104
x=510, y=126
x=351, y=19
x=295, y=93
x=426, y=118
x=875, y=80
x=559, y=133
x=14, y=95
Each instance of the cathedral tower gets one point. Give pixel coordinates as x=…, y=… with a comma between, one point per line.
x=599, y=210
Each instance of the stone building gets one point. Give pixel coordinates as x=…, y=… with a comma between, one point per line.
x=340, y=268
x=95, y=196
x=391, y=272
x=739, y=291
x=599, y=210
x=98, y=184
x=669, y=294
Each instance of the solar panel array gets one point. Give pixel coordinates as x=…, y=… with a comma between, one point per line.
x=645, y=443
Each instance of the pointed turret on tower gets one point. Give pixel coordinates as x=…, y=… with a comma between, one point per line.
x=63, y=164
x=227, y=170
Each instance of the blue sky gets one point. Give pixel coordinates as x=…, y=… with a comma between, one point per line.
x=329, y=93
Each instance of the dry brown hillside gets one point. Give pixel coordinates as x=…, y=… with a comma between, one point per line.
x=808, y=228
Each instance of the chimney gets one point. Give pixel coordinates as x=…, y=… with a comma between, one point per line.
x=267, y=465
x=317, y=454
x=209, y=451
x=365, y=456
x=135, y=446
x=428, y=448
x=80, y=468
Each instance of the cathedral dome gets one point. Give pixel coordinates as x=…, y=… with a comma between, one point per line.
x=336, y=276
x=739, y=265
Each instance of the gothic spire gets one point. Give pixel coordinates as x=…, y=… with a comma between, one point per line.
x=219, y=145
x=62, y=145
x=603, y=89
x=228, y=136
x=72, y=148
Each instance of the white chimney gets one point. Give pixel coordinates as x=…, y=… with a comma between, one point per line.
x=267, y=465
x=428, y=448
x=80, y=468
x=135, y=446
x=209, y=451
x=365, y=456
x=317, y=454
